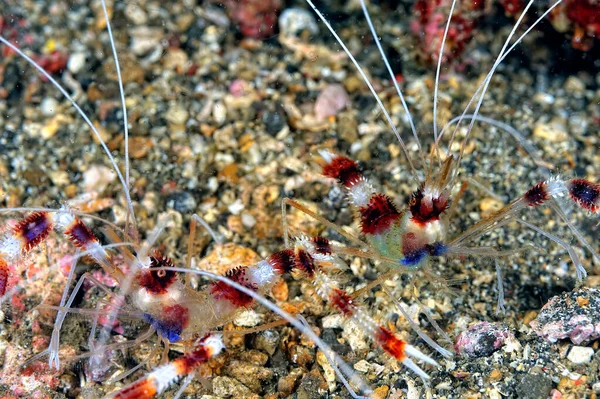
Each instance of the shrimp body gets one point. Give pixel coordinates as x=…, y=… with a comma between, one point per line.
x=419, y=231
x=408, y=235
x=178, y=312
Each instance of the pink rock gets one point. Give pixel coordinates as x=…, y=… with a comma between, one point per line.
x=573, y=315
x=237, y=88
x=331, y=101
x=555, y=394
x=257, y=19
x=481, y=339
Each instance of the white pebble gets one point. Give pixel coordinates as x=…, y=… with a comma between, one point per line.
x=213, y=184
x=236, y=207
x=248, y=220
x=332, y=321
x=580, y=354
x=248, y=318
x=363, y=366
x=145, y=39
x=295, y=20
x=574, y=85
x=76, y=62
x=219, y=113
x=552, y=132
x=97, y=178
x=136, y=14
x=543, y=98
x=177, y=115
x=49, y=106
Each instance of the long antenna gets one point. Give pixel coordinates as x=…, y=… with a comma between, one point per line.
x=437, y=72
x=392, y=76
x=501, y=57
x=125, y=119
x=362, y=74
x=80, y=111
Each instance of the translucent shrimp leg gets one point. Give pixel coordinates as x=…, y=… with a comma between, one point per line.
x=35, y=228
x=583, y=193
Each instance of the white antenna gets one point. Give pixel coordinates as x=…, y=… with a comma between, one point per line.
x=80, y=111
x=437, y=72
x=362, y=74
x=125, y=120
x=392, y=76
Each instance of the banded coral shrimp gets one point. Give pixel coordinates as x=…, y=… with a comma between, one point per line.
x=392, y=230
x=407, y=193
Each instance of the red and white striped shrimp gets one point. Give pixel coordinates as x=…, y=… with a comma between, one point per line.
x=420, y=229
x=150, y=288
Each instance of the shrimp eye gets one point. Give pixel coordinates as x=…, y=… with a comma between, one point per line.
x=161, y=273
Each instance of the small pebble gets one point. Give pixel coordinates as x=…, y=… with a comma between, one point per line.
x=286, y=384
x=381, y=392
x=544, y=98
x=249, y=374
x=219, y=113
x=176, y=59
x=226, y=387
x=248, y=318
x=236, y=207
x=481, y=339
x=534, y=386
x=177, y=115
x=489, y=205
x=274, y=122
x=145, y=39
x=267, y=341
x=580, y=354
x=50, y=129
x=76, y=62
x=294, y=21
x=136, y=14
x=48, y=106
x=574, y=85
x=97, y=177
x=331, y=101
x=552, y=132
x=311, y=386
x=248, y=220
x=328, y=371
x=182, y=202
x=363, y=366
x=332, y=321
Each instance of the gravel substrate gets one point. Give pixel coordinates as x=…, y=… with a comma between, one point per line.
x=226, y=126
